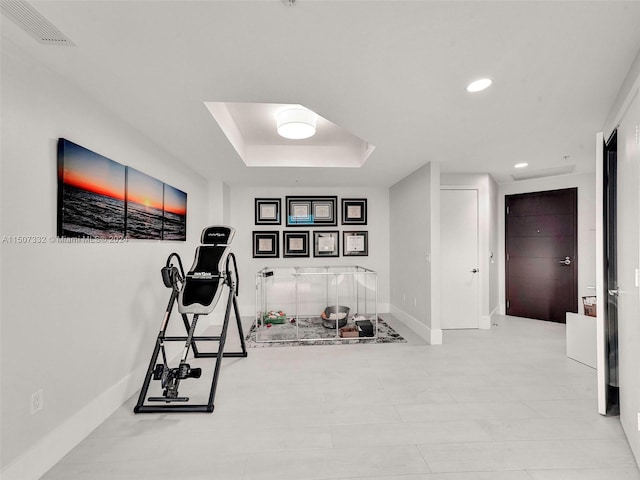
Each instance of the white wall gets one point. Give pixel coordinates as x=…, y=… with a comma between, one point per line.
x=628, y=223
x=415, y=251
x=78, y=320
x=487, y=236
x=242, y=219
x=494, y=242
x=586, y=226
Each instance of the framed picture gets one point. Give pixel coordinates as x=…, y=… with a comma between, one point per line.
x=265, y=244
x=267, y=211
x=174, y=220
x=306, y=211
x=91, y=194
x=296, y=244
x=299, y=212
x=326, y=244
x=101, y=198
x=354, y=211
x=145, y=205
x=355, y=244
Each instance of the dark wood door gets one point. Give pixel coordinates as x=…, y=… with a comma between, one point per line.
x=541, y=254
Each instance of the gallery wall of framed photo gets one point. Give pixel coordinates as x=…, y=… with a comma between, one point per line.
x=316, y=245
x=311, y=226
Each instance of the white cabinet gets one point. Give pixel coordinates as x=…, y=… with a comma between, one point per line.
x=581, y=338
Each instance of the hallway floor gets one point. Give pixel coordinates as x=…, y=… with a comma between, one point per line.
x=499, y=404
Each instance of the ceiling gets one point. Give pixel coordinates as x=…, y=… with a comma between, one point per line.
x=393, y=73
x=251, y=129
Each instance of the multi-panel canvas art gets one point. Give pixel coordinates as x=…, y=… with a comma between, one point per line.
x=174, y=226
x=145, y=205
x=100, y=198
x=91, y=194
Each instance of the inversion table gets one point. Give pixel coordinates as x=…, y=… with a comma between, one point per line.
x=196, y=293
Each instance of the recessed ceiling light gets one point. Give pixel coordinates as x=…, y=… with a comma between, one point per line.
x=521, y=165
x=479, y=85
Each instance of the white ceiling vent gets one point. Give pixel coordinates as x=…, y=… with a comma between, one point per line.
x=32, y=22
x=547, y=172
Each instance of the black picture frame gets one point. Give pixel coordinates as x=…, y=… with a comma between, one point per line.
x=354, y=211
x=295, y=244
x=312, y=211
x=355, y=243
x=267, y=211
x=326, y=243
x=266, y=244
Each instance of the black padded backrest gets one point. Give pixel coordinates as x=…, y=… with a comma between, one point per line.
x=217, y=235
x=203, y=282
x=208, y=258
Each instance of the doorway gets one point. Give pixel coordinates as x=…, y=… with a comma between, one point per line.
x=610, y=222
x=459, y=277
x=541, y=276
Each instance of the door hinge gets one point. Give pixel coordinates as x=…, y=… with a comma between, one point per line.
x=507, y=257
x=507, y=210
x=508, y=304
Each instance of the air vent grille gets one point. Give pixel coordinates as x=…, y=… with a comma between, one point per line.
x=32, y=22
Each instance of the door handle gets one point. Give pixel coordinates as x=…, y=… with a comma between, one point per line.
x=475, y=270
x=614, y=292
x=566, y=261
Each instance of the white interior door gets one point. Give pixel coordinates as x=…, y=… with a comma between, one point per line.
x=601, y=361
x=459, y=280
x=628, y=244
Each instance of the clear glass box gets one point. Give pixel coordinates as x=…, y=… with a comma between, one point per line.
x=316, y=303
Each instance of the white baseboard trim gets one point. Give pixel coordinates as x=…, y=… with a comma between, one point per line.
x=50, y=449
x=432, y=336
x=486, y=320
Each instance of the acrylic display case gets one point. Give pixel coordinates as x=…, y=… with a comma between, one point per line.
x=316, y=303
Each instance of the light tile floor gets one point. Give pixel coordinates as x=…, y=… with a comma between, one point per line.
x=499, y=404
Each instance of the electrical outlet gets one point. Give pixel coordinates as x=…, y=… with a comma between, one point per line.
x=36, y=402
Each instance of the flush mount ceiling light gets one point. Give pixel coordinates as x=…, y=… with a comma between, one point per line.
x=479, y=85
x=521, y=165
x=296, y=123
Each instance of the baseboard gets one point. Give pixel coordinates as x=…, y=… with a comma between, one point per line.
x=49, y=450
x=432, y=336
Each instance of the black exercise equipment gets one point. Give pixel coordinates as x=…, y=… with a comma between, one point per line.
x=196, y=293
